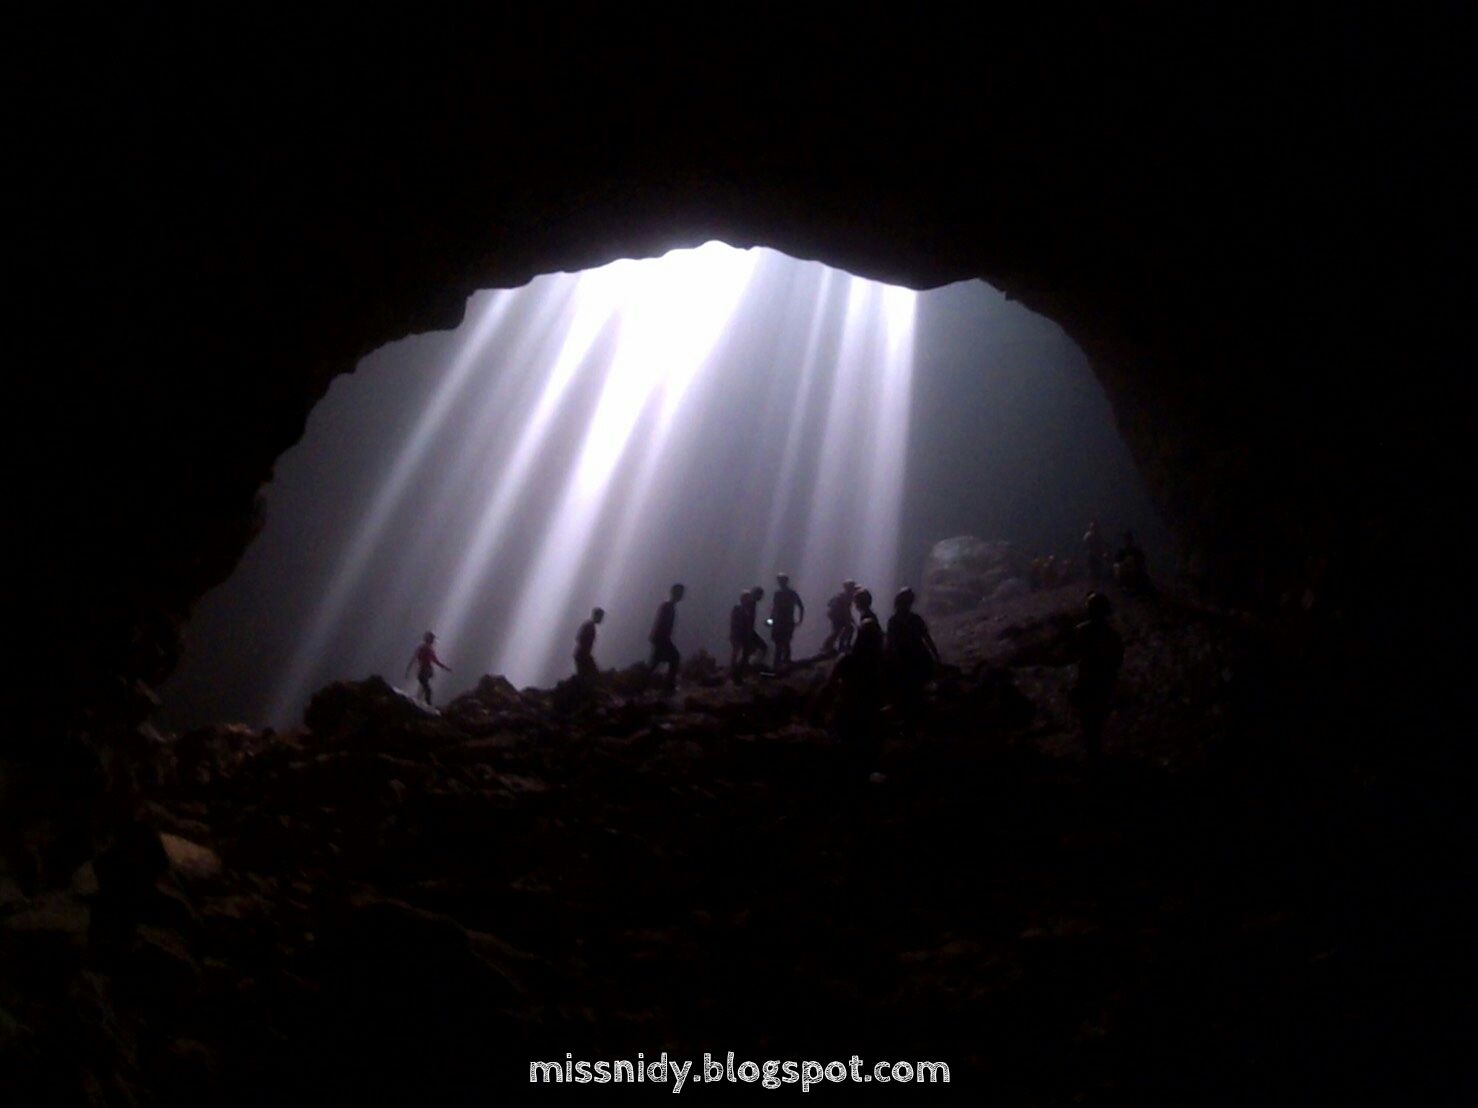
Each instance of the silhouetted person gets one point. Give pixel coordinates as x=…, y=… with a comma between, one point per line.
x=661, y=637
x=585, y=666
x=425, y=658
x=1095, y=554
x=839, y=612
x=739, y=624
x=911, y=651
x=786, y=614
x=1130, y=568
x=858, y=678
x=755, y=645
x=1100, y=652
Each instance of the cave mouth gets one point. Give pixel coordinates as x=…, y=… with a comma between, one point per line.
x=714, y=416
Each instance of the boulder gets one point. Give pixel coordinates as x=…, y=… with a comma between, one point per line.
x=960, y=573
x=347, y=707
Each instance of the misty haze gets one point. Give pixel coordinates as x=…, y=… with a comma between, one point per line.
x=713, y=417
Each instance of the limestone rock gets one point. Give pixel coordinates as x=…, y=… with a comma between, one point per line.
x=960, y=573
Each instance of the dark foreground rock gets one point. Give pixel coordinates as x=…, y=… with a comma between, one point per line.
x=394, y=906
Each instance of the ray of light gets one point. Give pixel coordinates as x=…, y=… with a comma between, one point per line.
x=670, y=318
x=800, y=401
x=595, y=299
x=361, y=543
x=566, y=429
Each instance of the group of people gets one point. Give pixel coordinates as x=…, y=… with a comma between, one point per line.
x=875, y=664
x=907, y=642
x=787, y=611
x=746, y=644
x=1127, y=567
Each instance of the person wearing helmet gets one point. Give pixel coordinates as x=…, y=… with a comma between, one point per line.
x=839, y=612
x=663, y=650
x=786, y=614
x=585, y=666
x=1100, y=652
x=911, y=651
x=427, y=661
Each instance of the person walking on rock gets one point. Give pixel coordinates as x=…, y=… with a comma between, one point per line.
x=585, y=666
x=740, y=621
x=663, y=650
x=839, y=612
x=786, y=614
x=754, y=644
x=858, y=678
x=426, y=660
x=911, y=652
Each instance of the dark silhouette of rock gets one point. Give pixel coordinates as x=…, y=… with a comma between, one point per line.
x=408, y=908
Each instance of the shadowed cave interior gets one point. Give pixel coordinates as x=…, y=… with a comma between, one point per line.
x=1262, y=894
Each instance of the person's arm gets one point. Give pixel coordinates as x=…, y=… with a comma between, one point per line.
x=800, y=610
x=929, y=640
x=439, y=662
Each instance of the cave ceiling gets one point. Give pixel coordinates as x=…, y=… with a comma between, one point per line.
x=1239, y=221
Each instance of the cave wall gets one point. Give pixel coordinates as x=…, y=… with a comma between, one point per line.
x=1245, y=225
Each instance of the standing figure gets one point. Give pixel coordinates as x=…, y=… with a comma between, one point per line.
x=1130, y=568
x=755, y=645
x=585, y=666
x=1095, y=554
x=1100, y=652
x=661, y=637
x=839, y=612
x=427, y=661
x=786, y=614
x=858, y=676
x=911, y=651
x=739, y=624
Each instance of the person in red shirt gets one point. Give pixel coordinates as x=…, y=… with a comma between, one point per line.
x=425, y=658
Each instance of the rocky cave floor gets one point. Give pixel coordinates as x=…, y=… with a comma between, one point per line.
x=393, y=906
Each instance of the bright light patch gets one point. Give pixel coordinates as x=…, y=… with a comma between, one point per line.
x=594, y=418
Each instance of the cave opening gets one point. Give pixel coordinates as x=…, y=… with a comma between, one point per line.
x=715, y=415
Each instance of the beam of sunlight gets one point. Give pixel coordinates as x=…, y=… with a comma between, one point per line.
x=594, y=301
x=361, y=543
x=890, y=310
x=596, y=433
x=670, y=318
